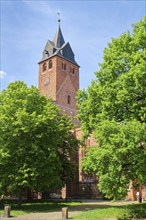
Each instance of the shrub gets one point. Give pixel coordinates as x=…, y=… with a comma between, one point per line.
x=131, y=212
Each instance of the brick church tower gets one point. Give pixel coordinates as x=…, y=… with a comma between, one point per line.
x=59, y=74
x=59, y=81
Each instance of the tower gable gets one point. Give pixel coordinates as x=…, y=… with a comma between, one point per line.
x=67, y=52
x=48, y=50
x=65, y=90
x=66, y=99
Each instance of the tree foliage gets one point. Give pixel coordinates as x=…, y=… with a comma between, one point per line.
x=36, y=142
x=114, y=109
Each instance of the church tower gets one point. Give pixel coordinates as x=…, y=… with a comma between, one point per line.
x=59, y=74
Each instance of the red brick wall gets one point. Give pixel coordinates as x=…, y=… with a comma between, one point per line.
x=67, y=84
x=47, y=79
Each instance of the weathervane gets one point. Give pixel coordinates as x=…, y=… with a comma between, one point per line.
x=58, y=17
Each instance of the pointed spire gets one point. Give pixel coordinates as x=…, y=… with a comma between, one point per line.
x=58, y=47
x=58, y=39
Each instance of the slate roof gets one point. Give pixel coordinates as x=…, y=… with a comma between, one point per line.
x=58, y=47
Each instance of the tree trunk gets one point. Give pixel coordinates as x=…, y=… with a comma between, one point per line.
x=29, y=195
x=20, y=198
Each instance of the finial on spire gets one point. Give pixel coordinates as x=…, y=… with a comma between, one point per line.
x=58, y=17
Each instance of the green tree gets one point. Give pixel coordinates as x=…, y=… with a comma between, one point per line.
x=36, y=142
x=114, y=109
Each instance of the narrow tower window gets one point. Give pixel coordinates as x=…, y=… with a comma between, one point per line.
x=44, y=67
x=64, y=66
x=68, y=99
x=50, y=64
x=72, y=70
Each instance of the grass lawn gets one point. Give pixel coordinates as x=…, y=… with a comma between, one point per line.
x=39, y=206
x=92, y=211
x=136, y=210
x=100, y=213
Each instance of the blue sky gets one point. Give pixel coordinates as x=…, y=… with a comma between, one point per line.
x=26, y=25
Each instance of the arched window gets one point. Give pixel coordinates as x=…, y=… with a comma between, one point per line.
x=64, y=66
x=50, y=64
x=44, y=66
x=72, y=70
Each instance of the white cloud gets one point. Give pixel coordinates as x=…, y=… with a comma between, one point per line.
x=3, y=74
